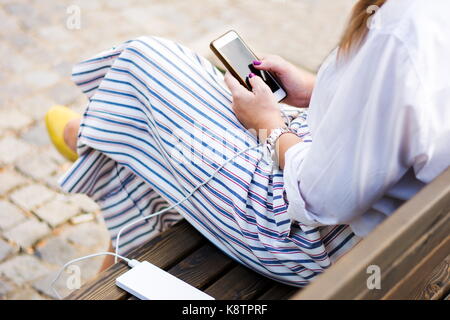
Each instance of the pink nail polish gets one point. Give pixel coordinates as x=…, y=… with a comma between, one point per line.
x=251, y=75
x=256, y=62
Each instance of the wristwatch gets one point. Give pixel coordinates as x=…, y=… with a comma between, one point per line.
x=271, y=142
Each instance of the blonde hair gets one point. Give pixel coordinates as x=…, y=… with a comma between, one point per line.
x=357, y=28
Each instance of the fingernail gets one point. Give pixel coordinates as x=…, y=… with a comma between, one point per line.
x=251, y=75
x=256, y=62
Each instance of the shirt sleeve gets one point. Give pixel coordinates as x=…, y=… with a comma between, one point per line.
x=363, y=143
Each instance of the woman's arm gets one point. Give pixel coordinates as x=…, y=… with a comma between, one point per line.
x=283, y=144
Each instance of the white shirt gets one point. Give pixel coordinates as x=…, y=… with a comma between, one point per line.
x=380, y=121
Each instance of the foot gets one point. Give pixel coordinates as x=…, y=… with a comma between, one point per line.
x=71, y=133
x=62, y=126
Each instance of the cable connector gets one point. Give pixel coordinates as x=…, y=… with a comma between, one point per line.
x=133, y=263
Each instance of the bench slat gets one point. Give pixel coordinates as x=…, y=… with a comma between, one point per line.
x=279, y=292
x=418, y=253
x=203, y=266
x=164, y=251
x=396, y=246
x=423, y=281
x=438, y=284
x=239, y=283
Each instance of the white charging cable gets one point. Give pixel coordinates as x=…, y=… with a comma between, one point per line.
x=182, y=200
x=131, y=262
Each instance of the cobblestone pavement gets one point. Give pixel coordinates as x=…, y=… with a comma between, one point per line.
x=39, y=225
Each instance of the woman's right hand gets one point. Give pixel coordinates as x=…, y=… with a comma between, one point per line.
x=297, y=83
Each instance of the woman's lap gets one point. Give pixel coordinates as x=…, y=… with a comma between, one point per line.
x=159, y=123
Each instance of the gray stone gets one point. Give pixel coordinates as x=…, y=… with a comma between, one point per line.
x=19, y=9
x=36, y=106
x=53, y=181
x=14, y=91
x=88, y=234
x=31, y=196
x=85, y=203
x=5, y=288
x=90, y=269
x=9, y=24
x=21, y=64
x=38, y=167
x=9, y=180
x=5, y=249
x=35, y=21
x=57, y=251
x=11, y=149
x=23, y=268
x=91, y=4
x=13, y=119
x=44, y=285
x=38, y=53
x=55, y=33
x=37, y=135
x=27, y=233
x=42, y=57
x=10, y=215
x=19, y=40
x=40, y=79
x=56, y=156
x=57, y=211
x=25, y=294
x=65, y=93
x=64, y=69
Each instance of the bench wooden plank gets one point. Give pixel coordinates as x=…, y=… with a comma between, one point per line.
x=414, y=240
x=163, y=251
x=203, y=267
x=239, y=283
x=279, y=292
x=418, y=253
x=427, y=280
x=416, y=228
x=437, y=285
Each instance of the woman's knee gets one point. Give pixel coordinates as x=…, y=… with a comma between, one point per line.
x=155, y=48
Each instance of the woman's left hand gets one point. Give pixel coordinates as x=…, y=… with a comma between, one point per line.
x=257, y=109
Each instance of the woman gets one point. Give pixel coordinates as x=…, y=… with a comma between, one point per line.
x=161, y=121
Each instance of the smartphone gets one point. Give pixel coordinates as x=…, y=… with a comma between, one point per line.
x=238, y=59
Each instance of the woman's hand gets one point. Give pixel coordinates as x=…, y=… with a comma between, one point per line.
x=297, y=83
x=257, y=109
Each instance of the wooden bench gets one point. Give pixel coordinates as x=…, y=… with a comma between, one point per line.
x=411, y=248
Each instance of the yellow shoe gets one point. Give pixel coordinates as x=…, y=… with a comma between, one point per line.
x=56, y=120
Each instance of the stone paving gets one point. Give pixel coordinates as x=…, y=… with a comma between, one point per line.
x=39, y=45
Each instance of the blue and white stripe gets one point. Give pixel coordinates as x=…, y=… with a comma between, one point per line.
x=158, y=124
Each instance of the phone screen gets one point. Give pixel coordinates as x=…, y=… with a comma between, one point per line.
x=241, y=59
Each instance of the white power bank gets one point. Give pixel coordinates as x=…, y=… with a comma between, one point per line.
x=148, y=282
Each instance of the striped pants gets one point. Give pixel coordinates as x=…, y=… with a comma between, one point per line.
x=159, y=122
